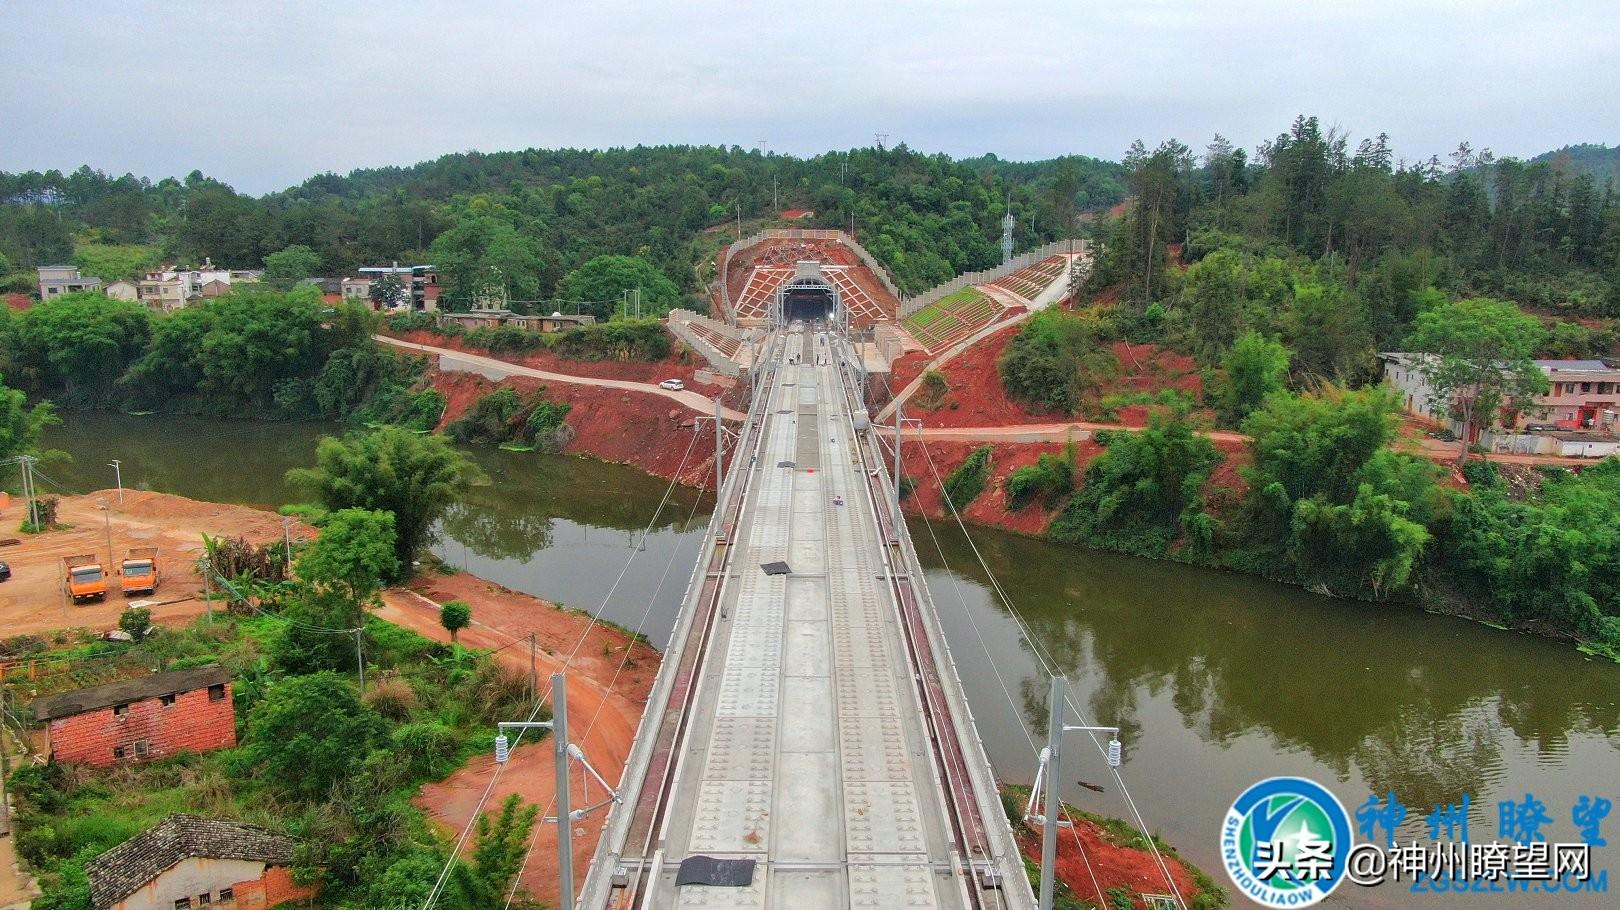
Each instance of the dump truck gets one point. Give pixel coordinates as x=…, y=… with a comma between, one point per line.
x=139, y=573
x=83, y=577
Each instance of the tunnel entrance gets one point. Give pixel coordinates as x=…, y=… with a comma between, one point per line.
x=808, y=303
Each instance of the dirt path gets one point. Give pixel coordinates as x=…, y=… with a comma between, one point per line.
x=1042, y=432
x=32, y=601
x=496, y=368
x=602, y=713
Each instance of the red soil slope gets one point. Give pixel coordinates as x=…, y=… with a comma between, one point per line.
x=679, y=365
x=631, y=428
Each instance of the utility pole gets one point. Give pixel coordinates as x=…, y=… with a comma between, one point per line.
x=286, y=539
x=565, y=823
x=118, y=477
x=360, y=651
x=894, y=517
x=534, y=672
x=738, y=204
x=5, y=764
x=562, y=751
x=1051, y=775
x=1054, y=760
x=27, y=462
x=106, y=517
x=718, y=440
x=208, y=594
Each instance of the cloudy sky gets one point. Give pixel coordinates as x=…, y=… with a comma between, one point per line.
x=262, y=95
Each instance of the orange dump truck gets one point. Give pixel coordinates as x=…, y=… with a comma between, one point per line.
x=140, y=571
x=84, y=577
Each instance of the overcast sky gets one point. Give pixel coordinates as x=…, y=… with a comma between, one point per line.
x=264, y=94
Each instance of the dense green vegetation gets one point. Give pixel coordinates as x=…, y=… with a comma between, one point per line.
x=1143, y=492
x=320, y=759
x=1337, y=252
x=1046, y=481
x=506, y=418
x=964, y=484
x=1056, y=362
x=526, y=219
x=389, y=469
x=1282, y=276
x=621, y=339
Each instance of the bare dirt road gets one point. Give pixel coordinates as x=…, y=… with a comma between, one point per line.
x=33, y=601
x=495, y=368
x=605, y=704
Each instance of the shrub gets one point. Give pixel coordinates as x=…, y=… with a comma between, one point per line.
x=968, y=480
x=428, y=750
x=1056, y=361
x=931, y=394
x=392, y=697
x=1049, y=479
x=1141, y=490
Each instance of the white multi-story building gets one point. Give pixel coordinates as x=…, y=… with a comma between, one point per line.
x=168, y=290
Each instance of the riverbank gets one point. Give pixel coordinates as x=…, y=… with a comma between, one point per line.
x=609, y=676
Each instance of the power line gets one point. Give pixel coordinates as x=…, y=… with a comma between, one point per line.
x=596, y=616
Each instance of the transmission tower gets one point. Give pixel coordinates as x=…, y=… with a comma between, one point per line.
x=1006, y=234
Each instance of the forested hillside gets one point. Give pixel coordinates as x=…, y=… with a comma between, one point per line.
x=1337, y=251
x=533, y=216
x=1598, y=161
x=1282, y=277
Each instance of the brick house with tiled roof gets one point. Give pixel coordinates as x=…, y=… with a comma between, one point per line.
x=189, y=861
x=141, y=719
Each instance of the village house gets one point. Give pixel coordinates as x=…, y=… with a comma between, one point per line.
x=1577, y=416
x=56, y=280
x=798, y=214
x=123, y=290
x=141, y=719
x=189, y=862
x=167, y=290
x=420, y=283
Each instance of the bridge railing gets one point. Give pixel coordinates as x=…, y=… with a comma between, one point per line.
x=1023, y=260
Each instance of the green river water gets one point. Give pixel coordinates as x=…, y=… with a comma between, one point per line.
x=1218, y=680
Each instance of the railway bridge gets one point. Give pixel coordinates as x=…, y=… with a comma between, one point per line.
x=807, y=742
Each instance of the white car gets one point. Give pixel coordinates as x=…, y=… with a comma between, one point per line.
x=674, y=385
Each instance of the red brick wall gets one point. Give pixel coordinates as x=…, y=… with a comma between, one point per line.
x=277, y=882
x=191, y=724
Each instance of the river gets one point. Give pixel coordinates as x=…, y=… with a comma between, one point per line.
x=1217, y=680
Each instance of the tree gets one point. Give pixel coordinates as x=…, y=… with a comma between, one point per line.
x=309, y=733
x=603, y=280
x=135, y=622
x=21, y=427
x=1143, y=490
x=317, y=634
x=498, y=850
x=79, y=344
x=288, y=267
x=455, y=615
x=354, y=554
x=1256, y=366
x=1329, y=499
x=393, y=470
x=1479, y=359
x=388, y=292
x=1055, y=361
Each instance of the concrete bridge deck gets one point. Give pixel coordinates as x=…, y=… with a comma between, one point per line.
x=809, y=721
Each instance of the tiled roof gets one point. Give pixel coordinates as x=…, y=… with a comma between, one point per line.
x=126, y=868
x=125, y=691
